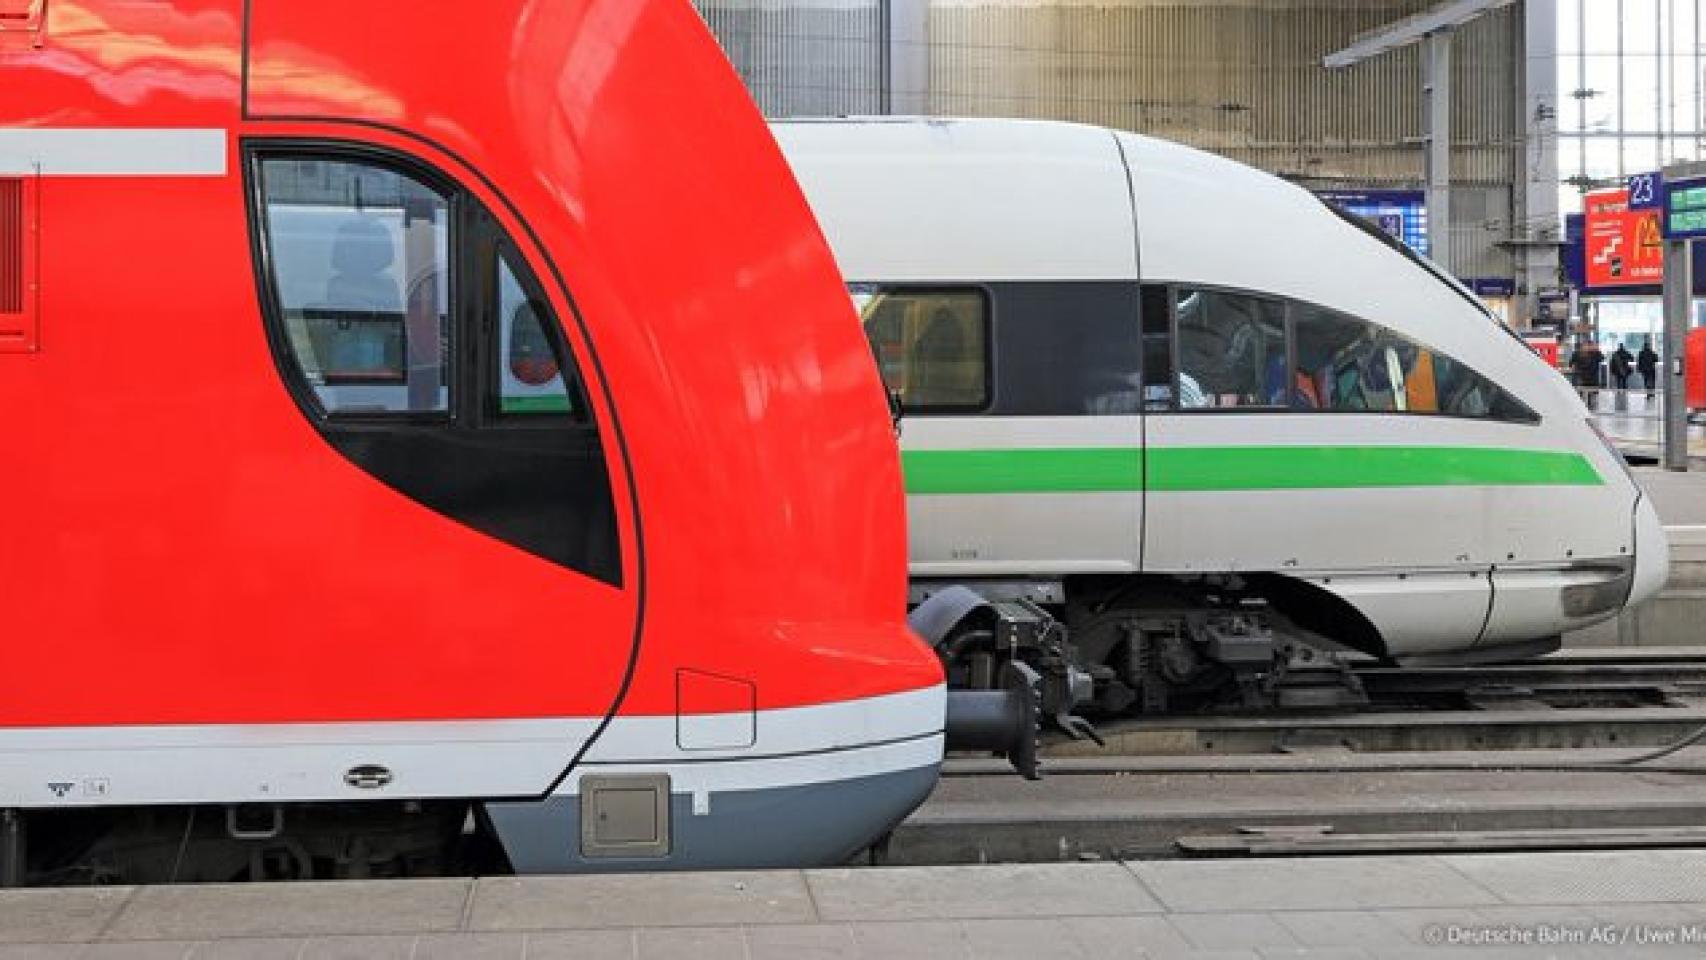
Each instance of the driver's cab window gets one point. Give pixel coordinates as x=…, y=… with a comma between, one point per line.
x=361, y=262
x=530, y=375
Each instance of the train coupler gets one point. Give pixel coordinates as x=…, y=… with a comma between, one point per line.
x=1003, y=721
x=1009, y=670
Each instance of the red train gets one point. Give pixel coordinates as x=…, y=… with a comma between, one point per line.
x=424, y=425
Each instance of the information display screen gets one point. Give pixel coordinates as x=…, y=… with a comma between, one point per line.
x=1401, y=213
x=1685, y=209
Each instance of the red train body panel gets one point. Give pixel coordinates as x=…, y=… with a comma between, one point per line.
x=191, y=565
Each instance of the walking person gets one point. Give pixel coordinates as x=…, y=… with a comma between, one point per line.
x=1585, y=363
x=1622, y=365
x=1648, y=364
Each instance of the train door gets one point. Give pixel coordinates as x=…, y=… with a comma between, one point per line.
x=429, y=337
x=1022, y=426
x=423, y=348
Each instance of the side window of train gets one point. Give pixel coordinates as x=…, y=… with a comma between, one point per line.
x=932, y=345
x=360, y=259
x=1231, y=349
x=1242, y=351
x=531, y=380
x=1343, y=363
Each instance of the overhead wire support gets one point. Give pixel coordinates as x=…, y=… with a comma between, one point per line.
x=1411, y=29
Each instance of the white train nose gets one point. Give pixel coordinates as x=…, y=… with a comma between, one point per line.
x=1652, y=553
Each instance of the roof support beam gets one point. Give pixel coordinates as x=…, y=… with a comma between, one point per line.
x=1537, y=261
x=905, y=56
x=1412, y=29
x=1436, y=85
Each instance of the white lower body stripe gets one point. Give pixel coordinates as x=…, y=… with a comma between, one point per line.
x=250, y=763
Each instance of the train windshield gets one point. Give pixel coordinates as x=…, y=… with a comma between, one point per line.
x=360, y=257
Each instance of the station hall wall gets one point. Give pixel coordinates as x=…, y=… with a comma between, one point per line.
x=1242, y=78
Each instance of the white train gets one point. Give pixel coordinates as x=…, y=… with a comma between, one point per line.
x=1205, y=415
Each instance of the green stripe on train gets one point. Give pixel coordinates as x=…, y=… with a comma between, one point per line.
x=1104, y=469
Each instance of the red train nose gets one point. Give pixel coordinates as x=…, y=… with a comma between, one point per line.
x=495, y=402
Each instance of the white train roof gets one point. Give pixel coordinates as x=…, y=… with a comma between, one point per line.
x=924, y=200
x=1205, y=219
x=967, y=199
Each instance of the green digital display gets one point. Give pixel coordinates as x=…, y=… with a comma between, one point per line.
x=1685, y=210
x=1688, y=198
x=1687, y=221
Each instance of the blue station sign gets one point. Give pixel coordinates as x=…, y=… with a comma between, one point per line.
x=1646, y=191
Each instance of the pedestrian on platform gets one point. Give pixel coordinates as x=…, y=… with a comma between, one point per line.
x=1648, y=364
x=1585, y=364
x=1622, y=364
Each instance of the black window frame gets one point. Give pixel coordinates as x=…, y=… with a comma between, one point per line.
x=986, y=297
x=1165, y=331
x=1291, y=306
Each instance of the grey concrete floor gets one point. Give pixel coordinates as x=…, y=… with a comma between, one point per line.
x=1675, y=616
x=1634, y=423
x=1680, y=498
x=1526, y=905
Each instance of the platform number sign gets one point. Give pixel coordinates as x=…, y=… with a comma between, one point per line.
x=1646, y=191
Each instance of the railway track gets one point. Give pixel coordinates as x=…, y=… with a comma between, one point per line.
x=1567, y=702
x=1171, y=807
x=1520, y=757
x=1646, y=680
x=1373, y=732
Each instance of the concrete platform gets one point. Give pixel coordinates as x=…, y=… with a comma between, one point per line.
x=1675, y=616
x=1680, y=497
x=1525, y=905
x=1634, y=424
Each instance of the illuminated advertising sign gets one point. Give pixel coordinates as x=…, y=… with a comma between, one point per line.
x=1621, y=247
